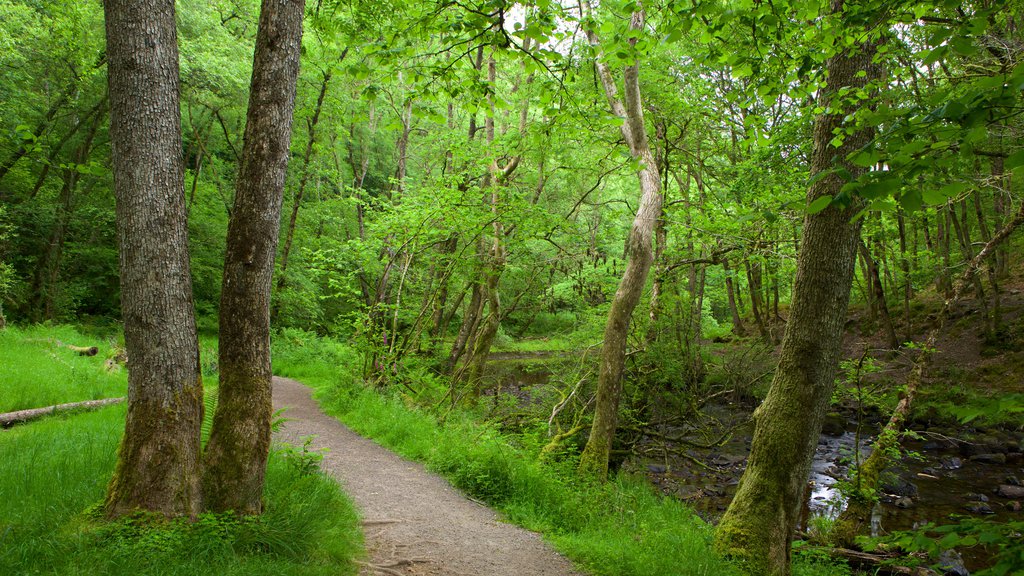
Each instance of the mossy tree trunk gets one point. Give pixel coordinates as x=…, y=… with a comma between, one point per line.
x=158, y=466
x=236, y=456
x=594, y=460
x=758, y=526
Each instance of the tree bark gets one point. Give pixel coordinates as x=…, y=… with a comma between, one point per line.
x=758, y=526
x=158, y=467
x=594, y=459
x=236, y=456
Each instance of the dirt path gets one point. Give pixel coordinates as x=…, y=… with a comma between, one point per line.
x=415, y=522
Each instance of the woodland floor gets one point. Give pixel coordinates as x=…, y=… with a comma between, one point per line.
x=415, y=522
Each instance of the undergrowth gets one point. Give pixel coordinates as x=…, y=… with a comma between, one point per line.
x=620, y=528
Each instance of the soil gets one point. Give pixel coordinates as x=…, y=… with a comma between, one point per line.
x=414, y=521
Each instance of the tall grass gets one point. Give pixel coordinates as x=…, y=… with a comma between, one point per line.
x=54, y=476
x=621, y=528
x=37, y=370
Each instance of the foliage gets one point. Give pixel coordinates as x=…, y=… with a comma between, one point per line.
x=1002, y=539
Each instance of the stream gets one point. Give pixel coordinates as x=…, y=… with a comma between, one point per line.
x=939, y=478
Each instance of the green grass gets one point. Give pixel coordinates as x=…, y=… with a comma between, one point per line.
x=38, y=371
x=621, y=528
x=54, y=478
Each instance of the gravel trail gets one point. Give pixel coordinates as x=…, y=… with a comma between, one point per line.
x=415, y=522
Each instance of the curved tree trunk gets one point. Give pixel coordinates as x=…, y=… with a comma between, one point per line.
x=594, y=460
x=158, y=464
x=236, y=456
x=758, y=526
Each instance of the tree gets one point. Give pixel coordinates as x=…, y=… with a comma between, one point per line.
x=594, y=460
x=236, y=456
x=158, y=466
x=758, y=526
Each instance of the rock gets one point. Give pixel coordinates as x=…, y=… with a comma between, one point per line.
x=728, y=459
x=952, y=564
x=1013, y=506
x=1010, y=491
x=979, y=508
x=989, y=458
x=656, y=468
x=932, y=472
x=953, y=463
x=904, y=502
x=1012, y=480
x=930, y=446
x=834, y=424
x=899, y=487
x=977, y=497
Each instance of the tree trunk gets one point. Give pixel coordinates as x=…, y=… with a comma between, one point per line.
x=158, y=466
x=594, y=459
x=236, y=455
x=758, y=526
x=282, y=277
x=908, y=287
x=737, y=323
x=874, y=283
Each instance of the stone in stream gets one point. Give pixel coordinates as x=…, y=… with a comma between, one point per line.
x=904, y=502
x=1013, y=506
x=953, y=463
x=990, y=458
x=1010, y=491
x=899, y=487
x=979, y=508
x=834, y=424
x=952, y=564
x=1012, y=480
x=977, y=497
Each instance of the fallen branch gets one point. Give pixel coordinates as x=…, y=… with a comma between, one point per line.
x=11, y=418
x=83, y=350
x=879, y=563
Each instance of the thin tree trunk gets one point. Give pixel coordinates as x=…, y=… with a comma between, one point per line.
x=594, y=459
x=908, y=287
x=758, y=526
x=874, y=283
x=236, y=455
x=737, y=323
x=158, y=465
x=282, y=277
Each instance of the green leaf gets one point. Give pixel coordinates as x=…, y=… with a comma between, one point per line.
x=819, y=204
x=1016, y=159
x=954, y=189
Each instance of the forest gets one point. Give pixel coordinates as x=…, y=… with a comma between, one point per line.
x=685, y=286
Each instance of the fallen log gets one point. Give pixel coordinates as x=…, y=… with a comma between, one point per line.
x=878, y=563
x=83, y=350
x=10, y=418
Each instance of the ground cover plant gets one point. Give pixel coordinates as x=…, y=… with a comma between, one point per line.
x=40, y=370
x=55, y=475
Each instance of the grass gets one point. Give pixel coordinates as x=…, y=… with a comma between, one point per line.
x=55, y=475
x=39, y=371
x=620, y=528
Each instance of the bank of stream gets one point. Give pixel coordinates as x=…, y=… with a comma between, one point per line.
x=939, y=478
